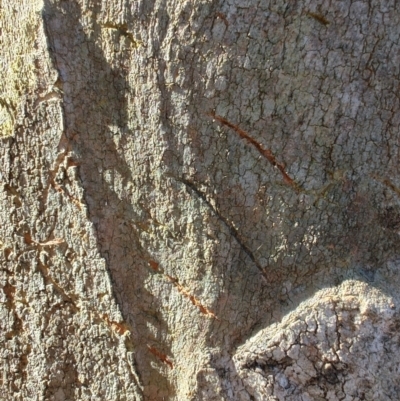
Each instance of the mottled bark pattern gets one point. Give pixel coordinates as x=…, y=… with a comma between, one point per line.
x=200, y=200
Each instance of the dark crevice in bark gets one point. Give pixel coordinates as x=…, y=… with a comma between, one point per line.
x=235, y=234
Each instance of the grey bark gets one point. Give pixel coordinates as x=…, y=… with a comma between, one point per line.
x=200, y=200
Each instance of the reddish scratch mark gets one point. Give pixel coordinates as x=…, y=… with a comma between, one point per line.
x=223, y=18
x=72, y=163
x=120, y=328
x=203, y=309
x=318, y=17
x=28, y=239
x=64, y=156
x=154, y=265
x=69, y=196
x=9, y=290
x=162, y=357
x=264, y=152
x=391, y=186
x=195, y=302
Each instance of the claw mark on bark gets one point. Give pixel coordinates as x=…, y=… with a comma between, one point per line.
x=195, y=302
x=318, y=17
x=29, y=241
x=390, y=184
x=264, y=152
x=154, y=265
x=11, y=191
x=162, y=357
x=223, y=18
x=123, y=30
x=231, y=229
x=45, y=270
x=17, y=327
x=73, y=200
x=203, y=309
x=120, y=328
x=61, y=158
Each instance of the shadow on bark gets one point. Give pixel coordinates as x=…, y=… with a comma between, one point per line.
x=95, y=99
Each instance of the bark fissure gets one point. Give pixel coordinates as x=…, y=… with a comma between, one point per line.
x=235, y=233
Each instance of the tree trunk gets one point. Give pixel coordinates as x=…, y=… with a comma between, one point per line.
x=200, y=200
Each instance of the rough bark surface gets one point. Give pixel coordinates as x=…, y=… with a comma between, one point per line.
x=200, y=200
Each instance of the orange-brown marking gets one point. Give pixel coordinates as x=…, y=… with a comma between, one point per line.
x=65, y=155
x=72, y=163
x=390, y=184
x=162, y=357
x=154, y=265
x=28, y=239
x=69, y=196
x=223, y=18
x=203, y=309
x=120, y=328
x=195, y=302
x=318, y=17
x=264, y=152
x=9, y=291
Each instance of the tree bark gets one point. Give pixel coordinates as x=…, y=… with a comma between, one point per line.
x=200, y=200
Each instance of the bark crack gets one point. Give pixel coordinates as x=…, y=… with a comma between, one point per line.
x=235, y=234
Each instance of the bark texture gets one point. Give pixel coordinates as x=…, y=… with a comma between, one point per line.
x=200, y=200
